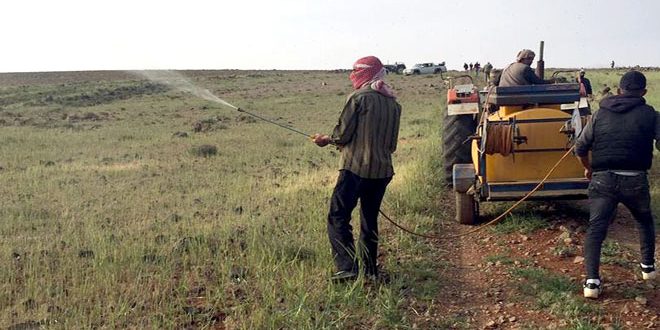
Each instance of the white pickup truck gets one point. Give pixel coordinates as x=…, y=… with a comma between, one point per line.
x=423, y=68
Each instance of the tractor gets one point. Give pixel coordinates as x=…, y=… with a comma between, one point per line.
x=499, y=144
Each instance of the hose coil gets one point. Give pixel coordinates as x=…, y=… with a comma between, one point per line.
x=499, y=139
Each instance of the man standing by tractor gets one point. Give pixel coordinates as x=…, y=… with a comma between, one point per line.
x=520, y=73
x=584, y=82
x=620, y=136
x=366, y=136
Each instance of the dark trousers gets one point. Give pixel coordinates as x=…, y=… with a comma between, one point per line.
x=348, y=190
x=606, y=191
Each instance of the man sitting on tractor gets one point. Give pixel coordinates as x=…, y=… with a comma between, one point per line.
x=520, y=72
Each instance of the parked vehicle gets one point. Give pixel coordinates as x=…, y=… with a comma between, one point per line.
x=424, y=68
x=397, y=67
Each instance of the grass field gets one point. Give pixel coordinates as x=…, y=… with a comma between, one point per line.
x=111, y=217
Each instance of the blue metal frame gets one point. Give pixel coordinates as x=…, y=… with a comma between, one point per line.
x=547, y=186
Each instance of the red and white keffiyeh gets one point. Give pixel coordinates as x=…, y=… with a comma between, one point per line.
x=370, y=71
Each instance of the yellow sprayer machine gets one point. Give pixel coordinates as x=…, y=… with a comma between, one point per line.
x=508, y=140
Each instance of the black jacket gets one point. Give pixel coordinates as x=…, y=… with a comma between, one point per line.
x=620, y=134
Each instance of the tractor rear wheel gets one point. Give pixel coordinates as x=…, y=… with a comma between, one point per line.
x=467, y=209
x=455, y=150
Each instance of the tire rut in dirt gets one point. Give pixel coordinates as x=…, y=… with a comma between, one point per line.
x=467, y=210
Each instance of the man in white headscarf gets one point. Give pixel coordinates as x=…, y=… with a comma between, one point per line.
x=520, y=73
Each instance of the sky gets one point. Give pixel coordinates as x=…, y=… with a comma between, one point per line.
x=73, y=35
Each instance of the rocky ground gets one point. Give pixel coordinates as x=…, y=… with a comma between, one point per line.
x=519, y=278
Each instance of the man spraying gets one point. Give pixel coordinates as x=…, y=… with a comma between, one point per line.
x=366, y=135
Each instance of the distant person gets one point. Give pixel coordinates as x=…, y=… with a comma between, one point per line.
x=366, y=136
x=471, y=66
x=477, y=66
x=584, y=84
x=520, y=73
x=620, y=137
x=487, y=68
x=612, y=64
x=465, y=67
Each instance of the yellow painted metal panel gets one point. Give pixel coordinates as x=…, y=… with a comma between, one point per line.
x=509, y=110
x=531, y=166
x=524, y=166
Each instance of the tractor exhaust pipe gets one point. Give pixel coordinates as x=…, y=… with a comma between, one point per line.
x=540, y=65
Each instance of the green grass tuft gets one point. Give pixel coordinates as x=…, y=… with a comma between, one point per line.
x=522, y=223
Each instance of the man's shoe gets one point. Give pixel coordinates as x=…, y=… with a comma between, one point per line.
x=343, y=276
x=592, y=290
x=649, y=273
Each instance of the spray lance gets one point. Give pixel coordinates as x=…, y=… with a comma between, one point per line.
x=273, y=122
x=311, y=137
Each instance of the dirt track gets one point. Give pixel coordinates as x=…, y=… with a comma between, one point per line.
x=483, y=289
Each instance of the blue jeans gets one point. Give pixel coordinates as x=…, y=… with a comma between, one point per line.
x=606, y=191
x=348, y=190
